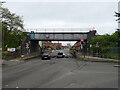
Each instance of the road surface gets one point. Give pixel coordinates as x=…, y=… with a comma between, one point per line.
x=60, y=73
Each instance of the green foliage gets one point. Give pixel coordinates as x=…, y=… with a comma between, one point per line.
x=18, y=48
x=5, y=53
x=112, y=55
x=105, y=49
x=95, y=49
x=72, y=48
x=105, y=42
x=11, y=20
x=102, y=40
x=12, y=29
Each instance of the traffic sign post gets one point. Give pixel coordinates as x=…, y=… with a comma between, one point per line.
x=83, y=43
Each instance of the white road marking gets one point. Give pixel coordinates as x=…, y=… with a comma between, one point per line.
x=116, y=65
x=17, y=87
x=6, y=85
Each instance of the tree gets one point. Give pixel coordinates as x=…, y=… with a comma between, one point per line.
x=12, y=28
x=117, y=15
x=105, y=41
x=13, y=22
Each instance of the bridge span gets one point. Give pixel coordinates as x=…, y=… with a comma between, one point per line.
x=61, y=36
x=31, y=44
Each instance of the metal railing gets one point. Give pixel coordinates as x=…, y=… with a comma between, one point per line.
x=59, y=29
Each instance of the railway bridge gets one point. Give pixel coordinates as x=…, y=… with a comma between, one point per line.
x=31, y=44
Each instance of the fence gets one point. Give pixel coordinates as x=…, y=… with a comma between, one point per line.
x=115, y=49
x=112, y=53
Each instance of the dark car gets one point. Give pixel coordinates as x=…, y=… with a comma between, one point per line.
x=60, y=55
x=46, y=56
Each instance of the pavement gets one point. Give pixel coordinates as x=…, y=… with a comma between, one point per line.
x=11, y=62
x=17, y=60
x=60, y=73
x=96, y=59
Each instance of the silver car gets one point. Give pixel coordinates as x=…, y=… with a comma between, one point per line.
x=60, y=55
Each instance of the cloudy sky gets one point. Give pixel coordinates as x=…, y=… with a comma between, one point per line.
x=37, y=14
x=99, y=15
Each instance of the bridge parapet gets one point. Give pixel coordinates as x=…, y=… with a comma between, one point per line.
x=61, y=36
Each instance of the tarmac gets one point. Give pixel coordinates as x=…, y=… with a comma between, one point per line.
x=78, y=56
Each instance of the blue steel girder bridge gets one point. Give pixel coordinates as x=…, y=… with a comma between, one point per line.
x=34, y=37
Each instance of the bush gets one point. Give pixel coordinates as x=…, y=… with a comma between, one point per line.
x=95, y=49
x=72, y=48
x=111, y=55
x=5, y=53
x=105, y=50
x=8, y=56
x=18, y=48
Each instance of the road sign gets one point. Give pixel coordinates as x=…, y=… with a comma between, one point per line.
x=32, y=36
x=0, y=49
x=47, y=36
x=11, y=49
x=27, y=45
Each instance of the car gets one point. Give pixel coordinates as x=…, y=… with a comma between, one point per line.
x=60, y=55
x=46, y=56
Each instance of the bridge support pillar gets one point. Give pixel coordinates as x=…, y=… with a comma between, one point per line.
x=34, y=46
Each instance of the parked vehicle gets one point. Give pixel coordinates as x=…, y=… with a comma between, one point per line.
x=46, y=56
x=60, y=55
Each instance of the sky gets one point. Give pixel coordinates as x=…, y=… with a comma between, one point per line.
x=37, y=14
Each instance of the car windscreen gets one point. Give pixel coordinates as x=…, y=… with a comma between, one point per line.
x=60, y=53
x=45, y=54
